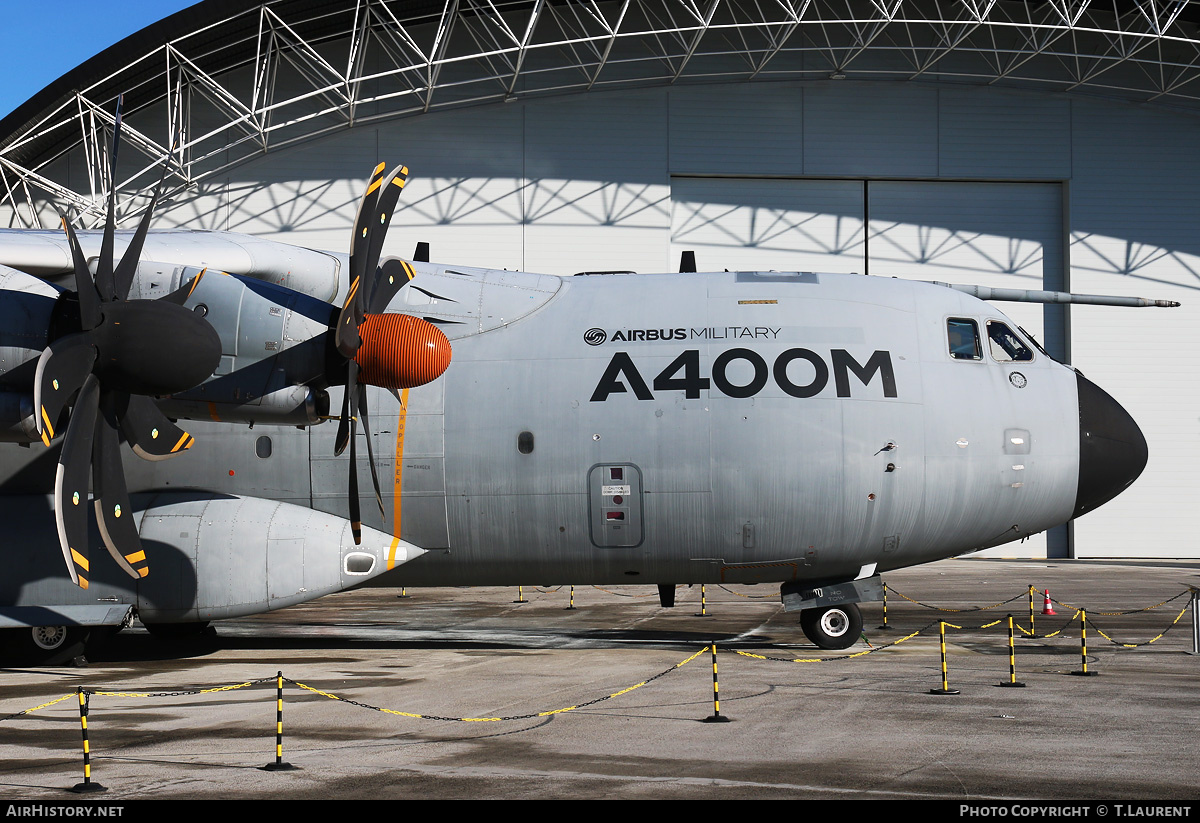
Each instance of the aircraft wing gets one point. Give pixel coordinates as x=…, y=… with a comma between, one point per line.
x=45, y=253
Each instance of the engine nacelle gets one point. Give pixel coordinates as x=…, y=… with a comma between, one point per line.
x=44, y=253
x=274, y=343
x=289, y=406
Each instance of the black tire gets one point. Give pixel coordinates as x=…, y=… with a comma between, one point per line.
x=48, y=645
x=832, y=627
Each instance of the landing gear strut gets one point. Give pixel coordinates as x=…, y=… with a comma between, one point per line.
x=832, y=627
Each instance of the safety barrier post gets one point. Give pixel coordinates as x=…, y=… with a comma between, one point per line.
x=87, y=785
x=1012, y=659
x=278, y=765
x=571, y=607
x=1032, y=592
x=715, y=717
x=945, y=689
x=1195, y=620
x=1083, y=644
x=703, y=602
x=403, y=593
x=520, y=595
x=884, y=626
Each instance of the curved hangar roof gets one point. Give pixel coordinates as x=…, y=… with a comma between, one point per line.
x=235, y=83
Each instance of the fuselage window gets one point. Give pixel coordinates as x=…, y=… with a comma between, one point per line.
x=964, y=339
x=1005, y=346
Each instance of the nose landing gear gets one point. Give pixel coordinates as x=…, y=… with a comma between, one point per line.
x=832, y=627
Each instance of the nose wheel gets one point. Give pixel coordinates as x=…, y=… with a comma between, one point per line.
x=832, y=627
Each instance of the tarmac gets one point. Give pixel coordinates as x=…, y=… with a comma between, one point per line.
x=500, y=693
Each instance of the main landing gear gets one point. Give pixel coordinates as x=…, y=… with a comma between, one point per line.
x=44, y=645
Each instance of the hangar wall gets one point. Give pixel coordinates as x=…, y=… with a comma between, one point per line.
x=916, y=180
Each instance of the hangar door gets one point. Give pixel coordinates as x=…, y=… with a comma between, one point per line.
x=1007, y=235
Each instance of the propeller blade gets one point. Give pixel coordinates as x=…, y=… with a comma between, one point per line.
x=71, y=483
x=385, y=206
x=123, y=276
x=61, y=370
x=393, y=276
x=346, y=335
x=343, y=432
x=111, y=498
x=350, y=414
x=181, y=294
x=149, y=433
x=362, y=411
x=104, y=266
x=355, y=514
x=85, y=289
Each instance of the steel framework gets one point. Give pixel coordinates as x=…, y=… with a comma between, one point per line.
x=283, y=71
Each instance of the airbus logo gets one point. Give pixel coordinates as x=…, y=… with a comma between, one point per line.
x=596, y=336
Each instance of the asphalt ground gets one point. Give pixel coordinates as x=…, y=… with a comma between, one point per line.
x=390, y=697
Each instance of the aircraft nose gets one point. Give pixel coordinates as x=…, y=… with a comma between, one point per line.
x=1112, y=450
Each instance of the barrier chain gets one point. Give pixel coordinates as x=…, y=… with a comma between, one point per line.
x=417, y=716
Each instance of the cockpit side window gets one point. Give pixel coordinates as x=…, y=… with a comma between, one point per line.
x=1004, y=344
x=963, y=335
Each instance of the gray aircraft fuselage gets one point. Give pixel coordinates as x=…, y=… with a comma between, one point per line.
x=674, y=428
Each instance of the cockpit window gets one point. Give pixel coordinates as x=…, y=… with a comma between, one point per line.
x=964, y=339
x=1005, y=346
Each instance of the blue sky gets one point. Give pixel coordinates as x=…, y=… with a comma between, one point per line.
x=43, y=41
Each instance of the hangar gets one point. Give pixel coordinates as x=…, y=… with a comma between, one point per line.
x=1043, y=144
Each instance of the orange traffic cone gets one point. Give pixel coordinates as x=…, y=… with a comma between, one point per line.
x=1047, y=606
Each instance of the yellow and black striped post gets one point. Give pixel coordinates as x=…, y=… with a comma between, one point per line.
x=945, y=689
x=1083, y=644
x=715, y=717
x=571, y=607
x=703, y=602
x=87, y=785
x=1195, y=620
x=1032, y=592
x=278, y=765
x=520, y=595
x=1012, y=659
x=884, y=626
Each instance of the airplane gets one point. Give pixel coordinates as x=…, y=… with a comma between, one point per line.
x=807, y=429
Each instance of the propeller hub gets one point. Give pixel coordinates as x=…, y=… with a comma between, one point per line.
x=153, y=348
x=399, y=351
